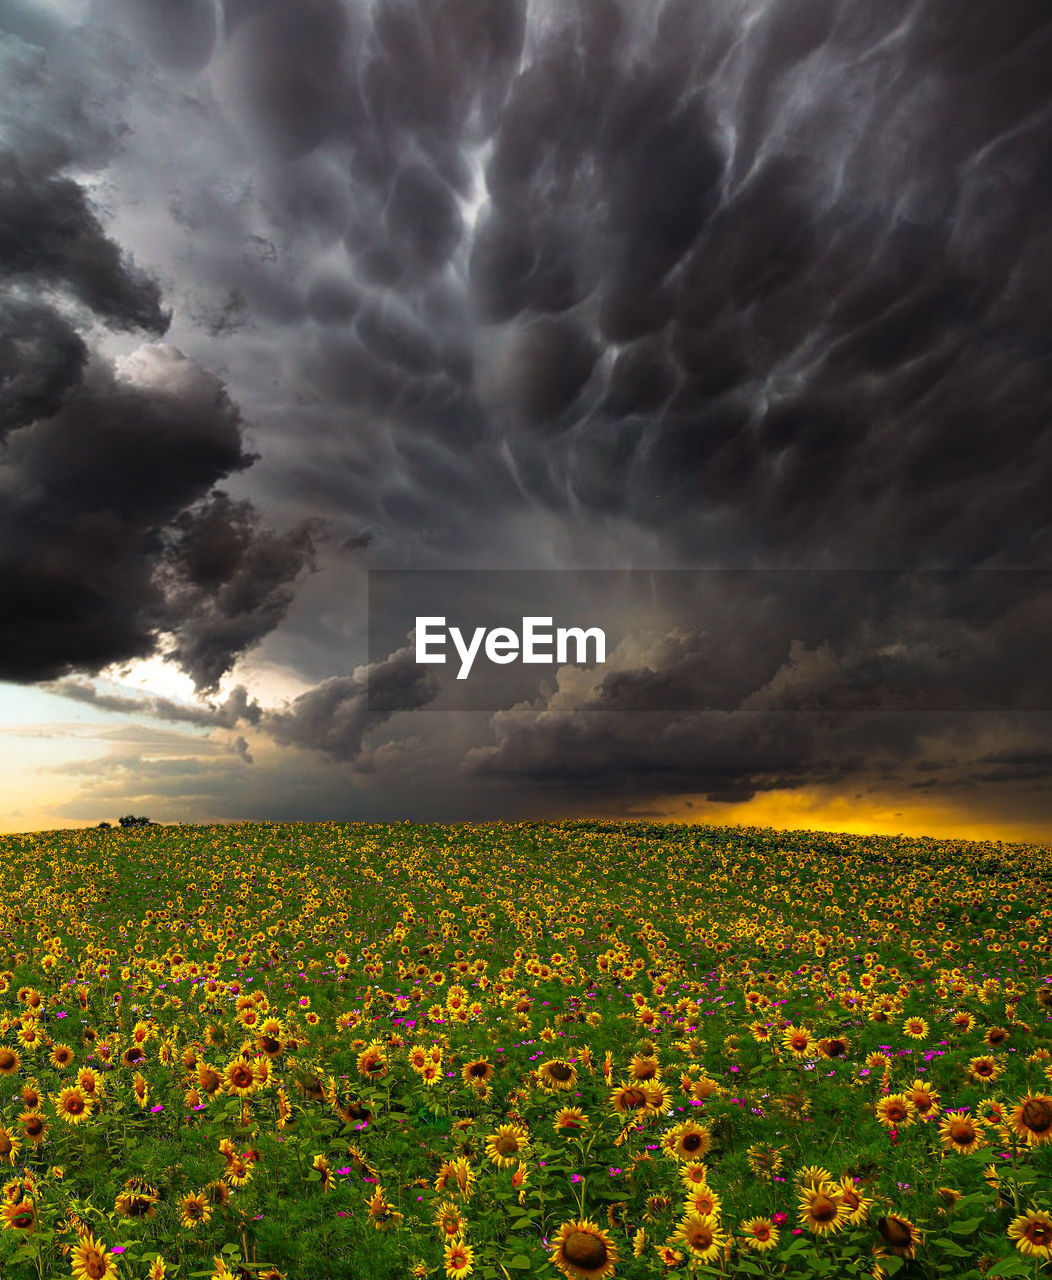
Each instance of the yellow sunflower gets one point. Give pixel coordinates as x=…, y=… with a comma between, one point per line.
x=9, y=1146
x=556, y=1075
x=896, y=1111
x=449, y=1220
x=91, y=1260
x=687, y=1141
x=458, y=1258
x=570, y=1118
x=960, y=1132
x=759, y=1233
x=821, y=1209
x=1032, y=1234
x=194, y=1210
x=702, y=1235
x=9, y=1061
x=899, y=1235
x=507, y=1146
x=478, y=1071
x=582, y=1250
x=73, y=1105
x=1031, y=1119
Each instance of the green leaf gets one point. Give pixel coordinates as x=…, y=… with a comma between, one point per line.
x=1010, y=1266
x=520, y=1262
x=892, y=1264
x=951, y=1247
x=966, y=1227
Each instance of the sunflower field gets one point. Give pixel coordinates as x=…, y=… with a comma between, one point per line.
x=587, y=1049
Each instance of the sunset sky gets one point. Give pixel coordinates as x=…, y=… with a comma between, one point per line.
x=751, y=290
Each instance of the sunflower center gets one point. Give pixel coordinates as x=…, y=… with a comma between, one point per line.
x=962, y=1133
x=506, y=1145
x=837, y=1048
x=74, y=1106
x=242, y=1077
x=895, y=1232
x=95, y=1265
x=34, y=1126
x=692, y=1141
x=633, y=1097
x=585, y=1250
x=823, y=1209
x=23, y=1219
x=478, y=1069
x=1039, y=1233
x=7, y=1060
x=1037, y=1115
x=761, y=1231
x=560, y=1071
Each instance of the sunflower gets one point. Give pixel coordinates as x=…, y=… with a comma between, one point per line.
x=916, y=1028
x=34, y=1126
x=74, y=1105
x=159, y=1270
x=9, y=1061
x=896, y=1111
x=948, y=1196
x=702, y=1235
x=702, y=1199
x=854, y=1200
x=507, y=1146
x=760, y=1234
x=694, y=1174
x=984, y=1069
x=321, y=1164
x=687, y=1141
x=582, y=1250
x=628, y=1098
x=478, y=1071
x=899, y=1236
x=798, y=1041
x=194, y=1210
x=458, y=1258
x=572, y=1118
x=242, y=1078
x=833, y=1047
x=9, y=1146
x=270, y=1037
x=963, y=1021
x=995, y=1036
x=208, y=1079
x=30, y=1035
x=91, y=1260
x=450, y=1222
x=821, y=1209
x=372, y=1062
x=137, y=1200
x=1032, y=1233
x=1032, y=1119
x=924, y=1098
x=383, y=1214
x=959, y=1132
x=133, y=1055
x=19, y=1215
x=556, y=1075
x=813, y=1175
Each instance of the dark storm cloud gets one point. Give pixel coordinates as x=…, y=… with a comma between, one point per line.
x=763, y=282
x=799, y=681
x=238, y=706
x=112, y=534
x=720, y=283
x=335, y=716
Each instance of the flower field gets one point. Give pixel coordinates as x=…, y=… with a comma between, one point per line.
x=580, y=1049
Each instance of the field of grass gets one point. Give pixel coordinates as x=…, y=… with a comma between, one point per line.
x=595, y=1049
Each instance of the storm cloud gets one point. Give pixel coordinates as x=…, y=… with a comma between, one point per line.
x=495, y=283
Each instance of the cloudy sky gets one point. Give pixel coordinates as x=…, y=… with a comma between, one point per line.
x=748, y=296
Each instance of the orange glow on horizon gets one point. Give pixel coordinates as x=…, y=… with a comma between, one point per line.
x=814, y=810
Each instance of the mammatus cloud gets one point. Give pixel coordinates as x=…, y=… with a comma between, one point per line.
x=509, y=282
